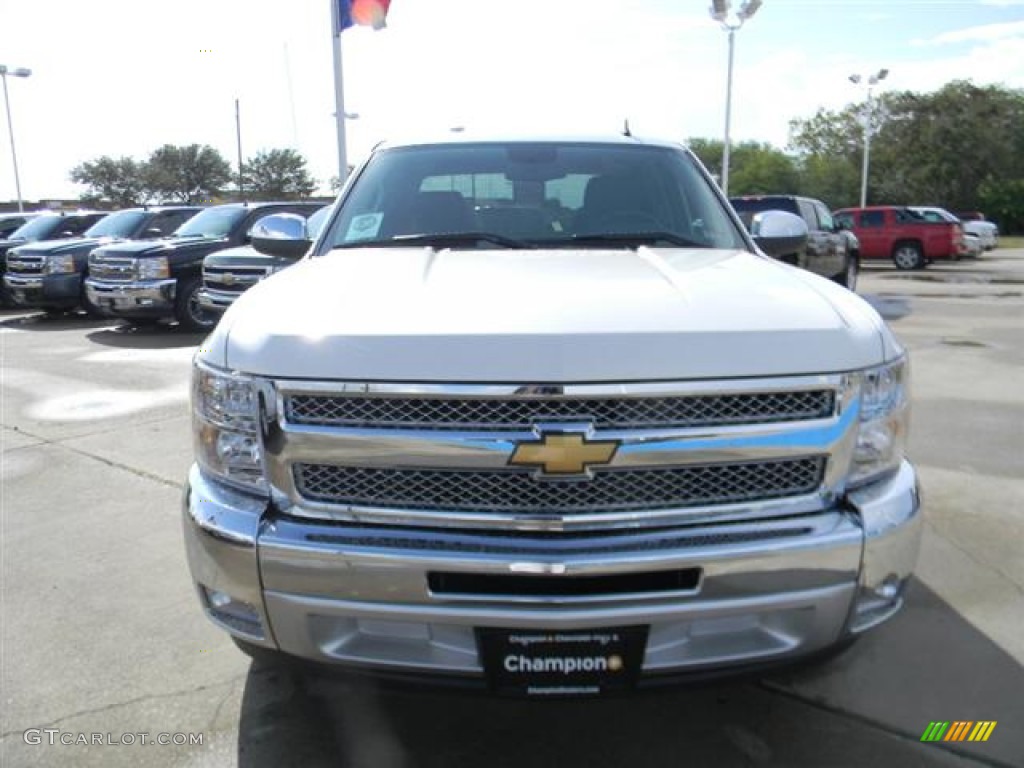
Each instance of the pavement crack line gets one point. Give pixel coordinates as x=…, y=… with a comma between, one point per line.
x=231, y=682
x=95, y=457
x=220, y=705
x=970, y=556
x=782, y=690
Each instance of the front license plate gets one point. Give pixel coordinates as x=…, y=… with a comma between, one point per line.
x=569, y=663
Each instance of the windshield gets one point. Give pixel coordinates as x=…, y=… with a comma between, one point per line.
x=579, y=194
x=935, y=214
x=213, y=222
x=120, y=224
x=36, y=229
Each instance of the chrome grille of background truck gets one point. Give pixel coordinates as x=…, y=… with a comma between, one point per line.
x=112, y=268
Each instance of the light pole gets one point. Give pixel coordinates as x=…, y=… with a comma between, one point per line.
x=730, y=22
x=19, y=72
x=872, y=81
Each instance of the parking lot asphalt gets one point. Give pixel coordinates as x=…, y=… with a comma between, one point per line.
x=102, y=635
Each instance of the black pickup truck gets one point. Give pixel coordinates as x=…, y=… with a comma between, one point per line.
x=52, y=225
x=829, y=252
x=49, y=273
x=144, y=282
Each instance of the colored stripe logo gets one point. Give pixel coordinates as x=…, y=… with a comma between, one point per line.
x=959, y=730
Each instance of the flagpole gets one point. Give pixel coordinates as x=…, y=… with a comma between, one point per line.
x=339, y=91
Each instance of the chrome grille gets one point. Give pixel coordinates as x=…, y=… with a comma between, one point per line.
x=522, y=412
x=112, y=268
x=25, y=265
x=505, y=491
x=233, y=279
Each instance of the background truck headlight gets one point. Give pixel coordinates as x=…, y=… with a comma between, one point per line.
x=152, y=269
x=884, y=420
x=226, y=427
x=60, y=264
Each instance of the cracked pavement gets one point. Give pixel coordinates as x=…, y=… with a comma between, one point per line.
x=101, y=631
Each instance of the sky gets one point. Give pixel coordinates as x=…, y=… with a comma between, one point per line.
x=123, y=77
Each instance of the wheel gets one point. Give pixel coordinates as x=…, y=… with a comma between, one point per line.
x=187, y=311
x=848, y=277
x=908, y=256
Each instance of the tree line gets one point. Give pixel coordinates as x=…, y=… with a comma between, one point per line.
x=959, y=148
x=192, y=174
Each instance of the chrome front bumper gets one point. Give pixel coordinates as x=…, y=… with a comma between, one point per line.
x=216, y=301
x=360, y=595
x=44, y=290
x=143, y=296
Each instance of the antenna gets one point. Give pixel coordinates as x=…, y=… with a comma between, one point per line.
x=625, y=127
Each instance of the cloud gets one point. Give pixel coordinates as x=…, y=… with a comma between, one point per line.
x=983, y=33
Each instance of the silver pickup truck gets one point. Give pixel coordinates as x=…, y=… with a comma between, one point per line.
x=541, y=415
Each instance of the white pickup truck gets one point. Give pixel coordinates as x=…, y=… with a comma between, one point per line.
x=540, y=415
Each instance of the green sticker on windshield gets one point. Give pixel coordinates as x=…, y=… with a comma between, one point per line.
x=364, y=226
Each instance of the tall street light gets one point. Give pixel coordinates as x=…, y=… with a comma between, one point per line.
x=19, y=72
x=872, y=81
x=730, y=22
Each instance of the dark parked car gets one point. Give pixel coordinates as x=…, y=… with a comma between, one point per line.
x=54, y=225
x=145, y=282
x=228, y=273
x=828, y=253
x=49, y=274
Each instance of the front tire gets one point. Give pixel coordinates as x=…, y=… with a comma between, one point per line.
x=908, y=256
x=187, y=310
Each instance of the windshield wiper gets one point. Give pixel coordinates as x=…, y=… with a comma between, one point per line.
x=440, y=239
x=630, y=238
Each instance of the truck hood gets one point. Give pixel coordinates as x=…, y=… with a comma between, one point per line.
x=245, y=256
x=546, y=316
x=54, y=247
x=165, y=247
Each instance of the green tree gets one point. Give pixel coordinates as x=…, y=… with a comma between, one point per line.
x=754, y=168
x=942, y=148
x=118, y=181
x=187, y=174
x=278, y=174
x=1003, y=203
x=759, y=169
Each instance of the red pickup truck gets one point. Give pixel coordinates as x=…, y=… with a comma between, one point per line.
x=898, y=233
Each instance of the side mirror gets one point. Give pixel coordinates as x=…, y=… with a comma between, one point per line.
x=778, y=233
x=281, y=234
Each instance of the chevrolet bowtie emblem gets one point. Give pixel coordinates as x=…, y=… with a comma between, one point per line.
x=564, y=453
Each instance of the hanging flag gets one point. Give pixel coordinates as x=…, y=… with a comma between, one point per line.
x=367, y=13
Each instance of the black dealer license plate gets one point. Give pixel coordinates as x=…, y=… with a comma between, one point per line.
x=567, y=663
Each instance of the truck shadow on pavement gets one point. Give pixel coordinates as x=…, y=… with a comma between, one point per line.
x=158, y=336
x=868, y=705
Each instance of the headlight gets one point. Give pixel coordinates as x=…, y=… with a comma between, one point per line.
x=56, y=265
x=884, y=419
x=153, y=268
x=226, y=427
